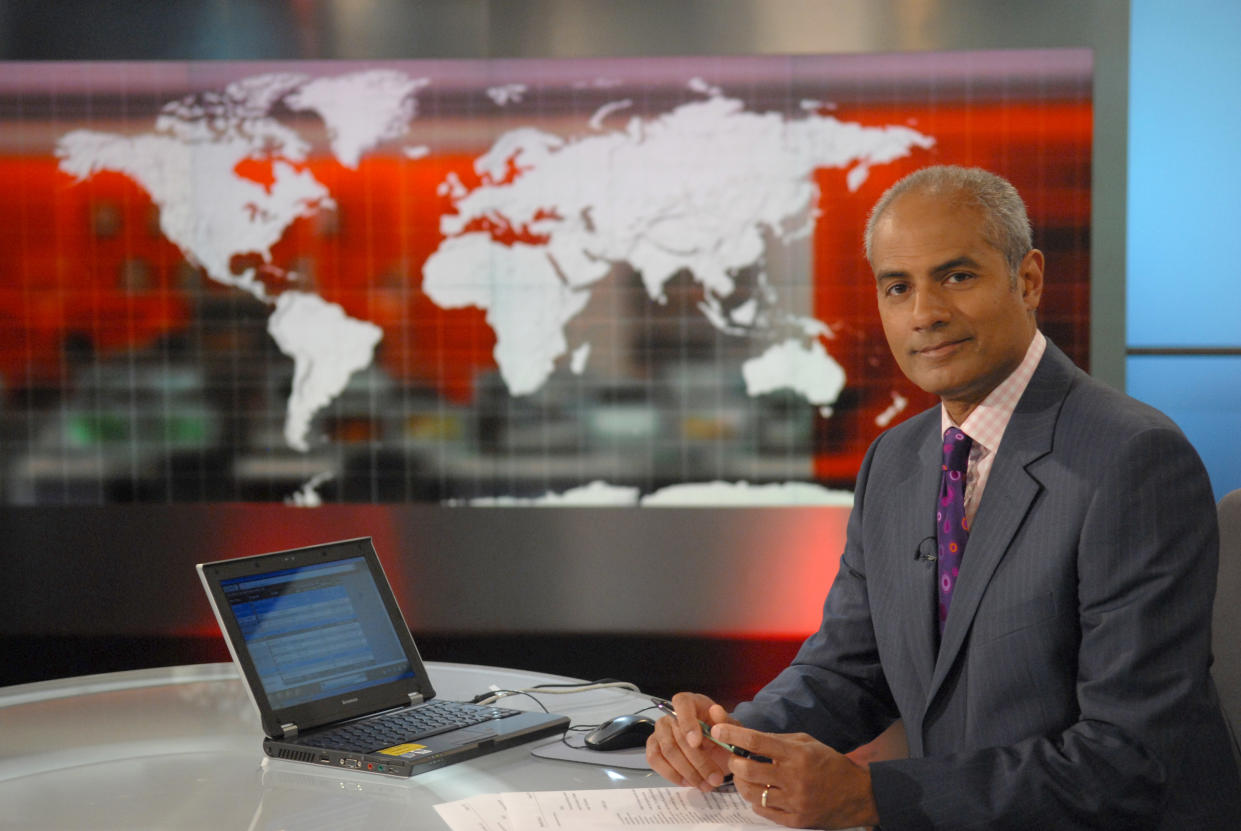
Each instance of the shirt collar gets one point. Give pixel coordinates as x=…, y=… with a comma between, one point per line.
x=986, y=424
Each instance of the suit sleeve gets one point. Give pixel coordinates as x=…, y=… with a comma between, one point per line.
x=1146, y=562
x=835, y=688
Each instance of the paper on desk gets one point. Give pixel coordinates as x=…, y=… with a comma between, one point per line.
x=671, y=809
x=668, y=808
x=478, y=813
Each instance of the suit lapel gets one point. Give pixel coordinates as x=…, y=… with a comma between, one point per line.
x=1010, y=491
x=919, y=572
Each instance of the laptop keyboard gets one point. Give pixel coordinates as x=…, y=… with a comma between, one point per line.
x=406, y=725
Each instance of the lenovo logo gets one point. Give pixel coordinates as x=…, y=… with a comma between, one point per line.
x=349, y=701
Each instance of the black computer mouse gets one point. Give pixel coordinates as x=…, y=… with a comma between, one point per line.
x=621, y=732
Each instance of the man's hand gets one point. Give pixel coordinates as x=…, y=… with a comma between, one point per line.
x=808, y=785
x=679, y=752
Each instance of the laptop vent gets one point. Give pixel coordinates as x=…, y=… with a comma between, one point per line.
x=295, y=755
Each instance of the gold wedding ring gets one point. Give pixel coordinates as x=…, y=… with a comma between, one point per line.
x=764, y=799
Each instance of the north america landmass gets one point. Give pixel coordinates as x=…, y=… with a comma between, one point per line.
x=702, y=189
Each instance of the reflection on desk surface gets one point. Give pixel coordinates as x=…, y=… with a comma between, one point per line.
x=180, y=748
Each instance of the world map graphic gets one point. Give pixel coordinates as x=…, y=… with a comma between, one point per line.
x=705, y=188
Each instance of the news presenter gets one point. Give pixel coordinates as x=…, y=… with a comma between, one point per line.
x=1067, y=687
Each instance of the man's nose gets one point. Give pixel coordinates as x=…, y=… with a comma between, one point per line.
x=930, y=308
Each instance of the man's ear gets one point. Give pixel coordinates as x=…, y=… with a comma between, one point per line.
x=1030, y=278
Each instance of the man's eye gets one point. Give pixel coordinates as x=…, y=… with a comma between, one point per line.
x=894, y=289
x=959, y=277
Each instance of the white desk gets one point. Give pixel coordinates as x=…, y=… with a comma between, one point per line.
x=179, y=748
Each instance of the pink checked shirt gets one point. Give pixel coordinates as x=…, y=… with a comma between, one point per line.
x=986, y=424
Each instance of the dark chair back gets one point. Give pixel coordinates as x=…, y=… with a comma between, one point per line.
x=1226, y=618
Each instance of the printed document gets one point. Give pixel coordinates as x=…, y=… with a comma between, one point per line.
x=668, y=809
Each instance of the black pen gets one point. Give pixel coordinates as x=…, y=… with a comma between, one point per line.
x=666, y=706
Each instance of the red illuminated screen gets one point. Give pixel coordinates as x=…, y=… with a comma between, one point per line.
x=139, y=347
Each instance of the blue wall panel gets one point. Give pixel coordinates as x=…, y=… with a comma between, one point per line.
x=1184, y=215
x=1184, y=173
x=1203, y=396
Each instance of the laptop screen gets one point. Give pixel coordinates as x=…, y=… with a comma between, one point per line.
x=316, y=630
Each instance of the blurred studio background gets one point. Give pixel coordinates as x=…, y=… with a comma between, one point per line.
x=560, y=301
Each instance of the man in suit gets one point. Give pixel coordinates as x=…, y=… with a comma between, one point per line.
x=1046, y=646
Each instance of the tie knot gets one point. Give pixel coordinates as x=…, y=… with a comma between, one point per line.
x=956, y=449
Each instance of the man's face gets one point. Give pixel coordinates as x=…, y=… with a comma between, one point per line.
x=954, y=321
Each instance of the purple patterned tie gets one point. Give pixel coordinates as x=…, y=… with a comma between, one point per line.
x=951, y=526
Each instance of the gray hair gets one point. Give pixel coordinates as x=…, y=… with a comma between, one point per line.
x=1006, y=226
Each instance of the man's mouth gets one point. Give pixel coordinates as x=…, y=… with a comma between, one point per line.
x=940, y=349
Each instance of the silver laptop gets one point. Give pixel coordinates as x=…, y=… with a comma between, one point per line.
x=334, y=672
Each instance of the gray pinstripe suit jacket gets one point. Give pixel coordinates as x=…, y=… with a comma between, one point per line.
x=1071, y=687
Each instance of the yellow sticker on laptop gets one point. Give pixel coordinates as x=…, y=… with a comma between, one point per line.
x=406, y=750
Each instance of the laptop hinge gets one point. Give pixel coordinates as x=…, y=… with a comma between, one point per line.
x=415, y=699
x=289, y=731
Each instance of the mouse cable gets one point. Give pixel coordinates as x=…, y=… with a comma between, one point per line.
x=582, y=683
x=491, y=696
x=495, y=695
